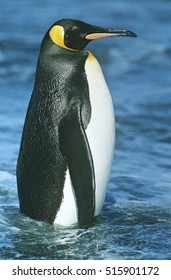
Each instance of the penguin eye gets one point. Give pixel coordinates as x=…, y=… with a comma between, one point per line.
x=75, y=28
x=76, y=31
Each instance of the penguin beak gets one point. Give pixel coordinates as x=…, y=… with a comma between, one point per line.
x=103, y=33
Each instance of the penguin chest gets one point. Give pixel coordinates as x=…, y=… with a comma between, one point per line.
x=100, y=134
x=101, y=129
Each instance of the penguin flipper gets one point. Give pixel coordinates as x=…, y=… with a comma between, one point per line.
x=75, y=147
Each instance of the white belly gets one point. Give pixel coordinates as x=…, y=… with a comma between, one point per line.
x=101, y=135
x=101, y=130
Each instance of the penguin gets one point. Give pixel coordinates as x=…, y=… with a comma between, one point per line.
x=68, y=137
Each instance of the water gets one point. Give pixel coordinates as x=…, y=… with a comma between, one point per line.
x=135, y=222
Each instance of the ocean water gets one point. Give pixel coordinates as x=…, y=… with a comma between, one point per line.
x=135, y=222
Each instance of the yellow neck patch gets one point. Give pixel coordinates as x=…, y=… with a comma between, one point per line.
x=91, y=57
x=57, y=35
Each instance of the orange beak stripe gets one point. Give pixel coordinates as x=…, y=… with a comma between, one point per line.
x=94, y=36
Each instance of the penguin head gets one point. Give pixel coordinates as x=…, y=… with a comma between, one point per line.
x=75, y=35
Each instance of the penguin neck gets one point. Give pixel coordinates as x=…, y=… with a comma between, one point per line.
x=52, y=55
x=51, y=49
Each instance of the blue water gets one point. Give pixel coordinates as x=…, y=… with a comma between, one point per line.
x=135, y=222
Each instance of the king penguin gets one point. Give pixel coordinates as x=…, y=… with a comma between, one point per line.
x=68, y=137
